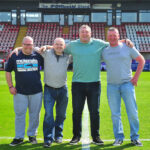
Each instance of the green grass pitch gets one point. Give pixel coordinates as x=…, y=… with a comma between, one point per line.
x=106, y=131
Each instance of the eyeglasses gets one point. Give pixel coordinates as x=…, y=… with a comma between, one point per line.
x=28, y=44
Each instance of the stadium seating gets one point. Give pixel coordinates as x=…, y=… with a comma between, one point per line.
x=8, y=35
x=140, y=35
x=45, y=33
x=98, y=30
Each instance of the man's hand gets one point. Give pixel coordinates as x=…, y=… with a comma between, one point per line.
x=15, y=51
x=140, y=59
x=134, y=81
x=129, y=43
x=42, y=49
x=13, y=90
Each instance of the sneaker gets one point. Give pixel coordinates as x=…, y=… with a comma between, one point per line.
x=16, y=142
x=98, y=141
x=136, y=142
x=117, y=142
x=47, y=145
x=59, y=140
x=32, y=139
x=74, y=140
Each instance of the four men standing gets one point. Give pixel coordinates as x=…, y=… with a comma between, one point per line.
x=86, y=54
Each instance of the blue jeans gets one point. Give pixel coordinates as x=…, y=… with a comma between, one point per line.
x=81, y=92
x=127, y=92
x=53, y=129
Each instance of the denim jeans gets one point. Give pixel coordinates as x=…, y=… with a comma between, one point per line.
x=126, y=91
x=53, y=129
x=81, y=92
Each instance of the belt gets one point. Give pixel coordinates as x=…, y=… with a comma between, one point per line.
x=53, y=87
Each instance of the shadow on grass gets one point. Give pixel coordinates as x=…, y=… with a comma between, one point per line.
x=27, y=146
x=63, y=146
x=111, y=147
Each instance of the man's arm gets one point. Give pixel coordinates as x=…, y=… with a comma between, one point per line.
x=140, y=59
x=12, y=89
x=15, y=51
x=128, y=42
x=43, y=48
x=70, y=59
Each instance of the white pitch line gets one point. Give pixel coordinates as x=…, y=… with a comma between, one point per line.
x=85, y=129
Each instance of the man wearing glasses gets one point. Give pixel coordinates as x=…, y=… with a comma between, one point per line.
x=28, y=90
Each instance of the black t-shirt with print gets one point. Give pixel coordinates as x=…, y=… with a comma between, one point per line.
x=27, y=72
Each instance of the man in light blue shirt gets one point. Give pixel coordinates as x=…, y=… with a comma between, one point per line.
x=118, y=58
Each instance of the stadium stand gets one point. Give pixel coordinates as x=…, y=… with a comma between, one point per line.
x=8, y=35
x=140, y=35
x=45, y=33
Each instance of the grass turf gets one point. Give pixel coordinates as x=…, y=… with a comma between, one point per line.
x=142, y=94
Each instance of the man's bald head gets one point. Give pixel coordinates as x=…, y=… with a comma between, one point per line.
x=59, y=39
x=27, y=38
x=59, y=45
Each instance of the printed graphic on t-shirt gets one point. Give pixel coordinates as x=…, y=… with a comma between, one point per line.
x=25, y=65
